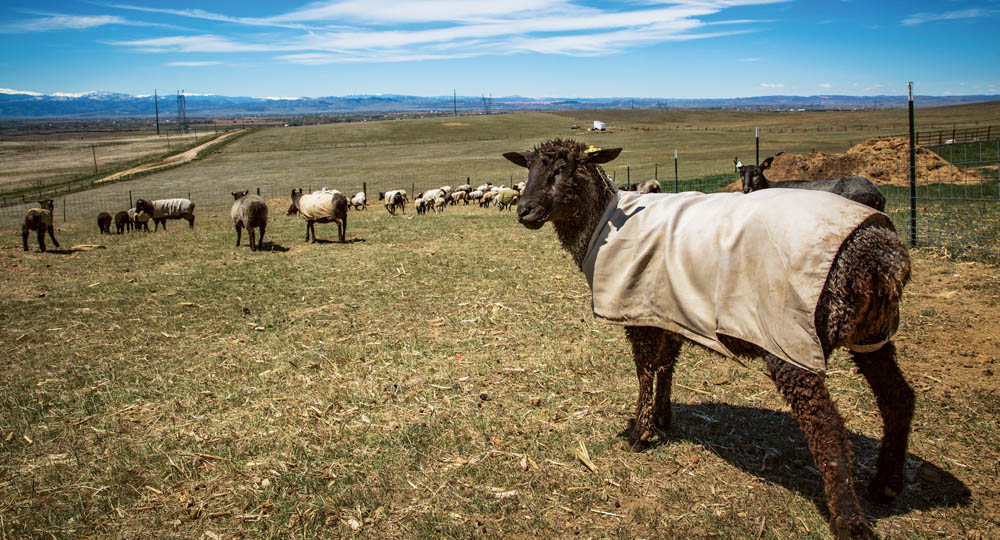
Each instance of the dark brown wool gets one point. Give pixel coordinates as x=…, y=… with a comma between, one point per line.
x=859, y=304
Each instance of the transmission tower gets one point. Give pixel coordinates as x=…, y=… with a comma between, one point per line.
x=487, y=103
x=182, y=119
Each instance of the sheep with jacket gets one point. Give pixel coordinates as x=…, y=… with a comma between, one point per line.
x=163, y=209
x=322, y=206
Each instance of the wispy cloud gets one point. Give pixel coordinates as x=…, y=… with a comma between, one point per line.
x=771, y=85
x=749, y=59
x=972, y=13
x=347, y=31
x=194, y=64
x=55, y=22
x=825, y=85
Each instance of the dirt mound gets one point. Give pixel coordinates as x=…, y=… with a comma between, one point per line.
x=883, y=161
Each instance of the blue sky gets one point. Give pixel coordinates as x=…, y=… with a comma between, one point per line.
x=537, y=48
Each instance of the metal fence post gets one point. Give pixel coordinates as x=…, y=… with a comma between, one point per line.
x=913, y=174
x=756, y=136
x=675, y=171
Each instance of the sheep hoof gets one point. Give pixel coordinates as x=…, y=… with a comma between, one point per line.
x=854, y=529
x=881, y=494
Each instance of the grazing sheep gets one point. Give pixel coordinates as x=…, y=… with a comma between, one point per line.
x=485, y=187
x=40, y=221
x=846, y=257
x=475, y=195
x=249, y=211
x=393, y=200
x=649, y=186
x=320, y=207
x=856, y=188
x=359, y=201
x=464, y=187
x=456, y=196
x=164, y=209
x=440, y=203
x=421, y=204
x=506, y=199
x=104, y=222
x=520, y=186
x=140, y=219
x=487, y=198
x=445, y=189
x=123, y=221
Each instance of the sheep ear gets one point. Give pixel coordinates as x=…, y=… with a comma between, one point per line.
x=517, y=158
x=603, y=156
x=766, y=164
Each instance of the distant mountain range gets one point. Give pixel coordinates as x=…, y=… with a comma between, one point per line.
x=112, y=105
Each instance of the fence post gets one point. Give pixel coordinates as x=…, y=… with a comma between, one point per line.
x=756, y=136
x=675, y=171
x=656, y=172
x=628, y=178
x=913, y=174
x=258, y=191
x=64, y=209
x=130, y=205
x=364, y=189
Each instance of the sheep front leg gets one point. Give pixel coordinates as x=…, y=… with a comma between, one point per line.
x=52, y=235
x=895, y=401
x=644, y=352
x=24, y=236
x=824, y=428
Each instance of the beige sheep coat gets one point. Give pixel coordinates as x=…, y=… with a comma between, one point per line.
x=746, y=266
x=318, y=205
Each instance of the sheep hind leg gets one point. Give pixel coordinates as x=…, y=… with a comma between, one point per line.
x=239, y=235
x=826, y=434
x=669, y=349
x=895, y=401
x=24, y=237
x=41, y=239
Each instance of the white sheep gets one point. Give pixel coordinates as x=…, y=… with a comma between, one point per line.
x=163, y=209
x=359, y=201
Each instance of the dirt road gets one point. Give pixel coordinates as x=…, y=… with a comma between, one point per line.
x=169, y=161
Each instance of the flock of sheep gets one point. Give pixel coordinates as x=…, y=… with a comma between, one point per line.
x=851, y=299
x=437, y=199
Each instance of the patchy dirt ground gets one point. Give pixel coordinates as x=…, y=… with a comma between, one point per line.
x=882, y=160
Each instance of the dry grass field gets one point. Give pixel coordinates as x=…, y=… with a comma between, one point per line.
x=33, y=163
x=435, y=376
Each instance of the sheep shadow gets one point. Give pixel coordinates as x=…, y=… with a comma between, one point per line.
x=62, y=251
x=769, y=445
x=348, y=241
x=271, y=246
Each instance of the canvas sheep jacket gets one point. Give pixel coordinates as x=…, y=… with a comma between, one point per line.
x=727, y=264
x=318, y=205
x=172, y=208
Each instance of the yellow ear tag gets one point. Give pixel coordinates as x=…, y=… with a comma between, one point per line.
x=591, y=150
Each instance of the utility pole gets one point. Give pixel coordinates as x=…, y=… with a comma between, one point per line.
x=156, y=102
x=454, y=102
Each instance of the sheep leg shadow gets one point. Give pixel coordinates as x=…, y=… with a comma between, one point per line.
x=826, y=435
x=654, y=351
x=895, y=401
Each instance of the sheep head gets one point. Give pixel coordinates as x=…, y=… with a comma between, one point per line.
x=142, y=205
x=237, y=195
x=47, y=204
x=294, y=208
x=752, y=176
x=561, y=179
